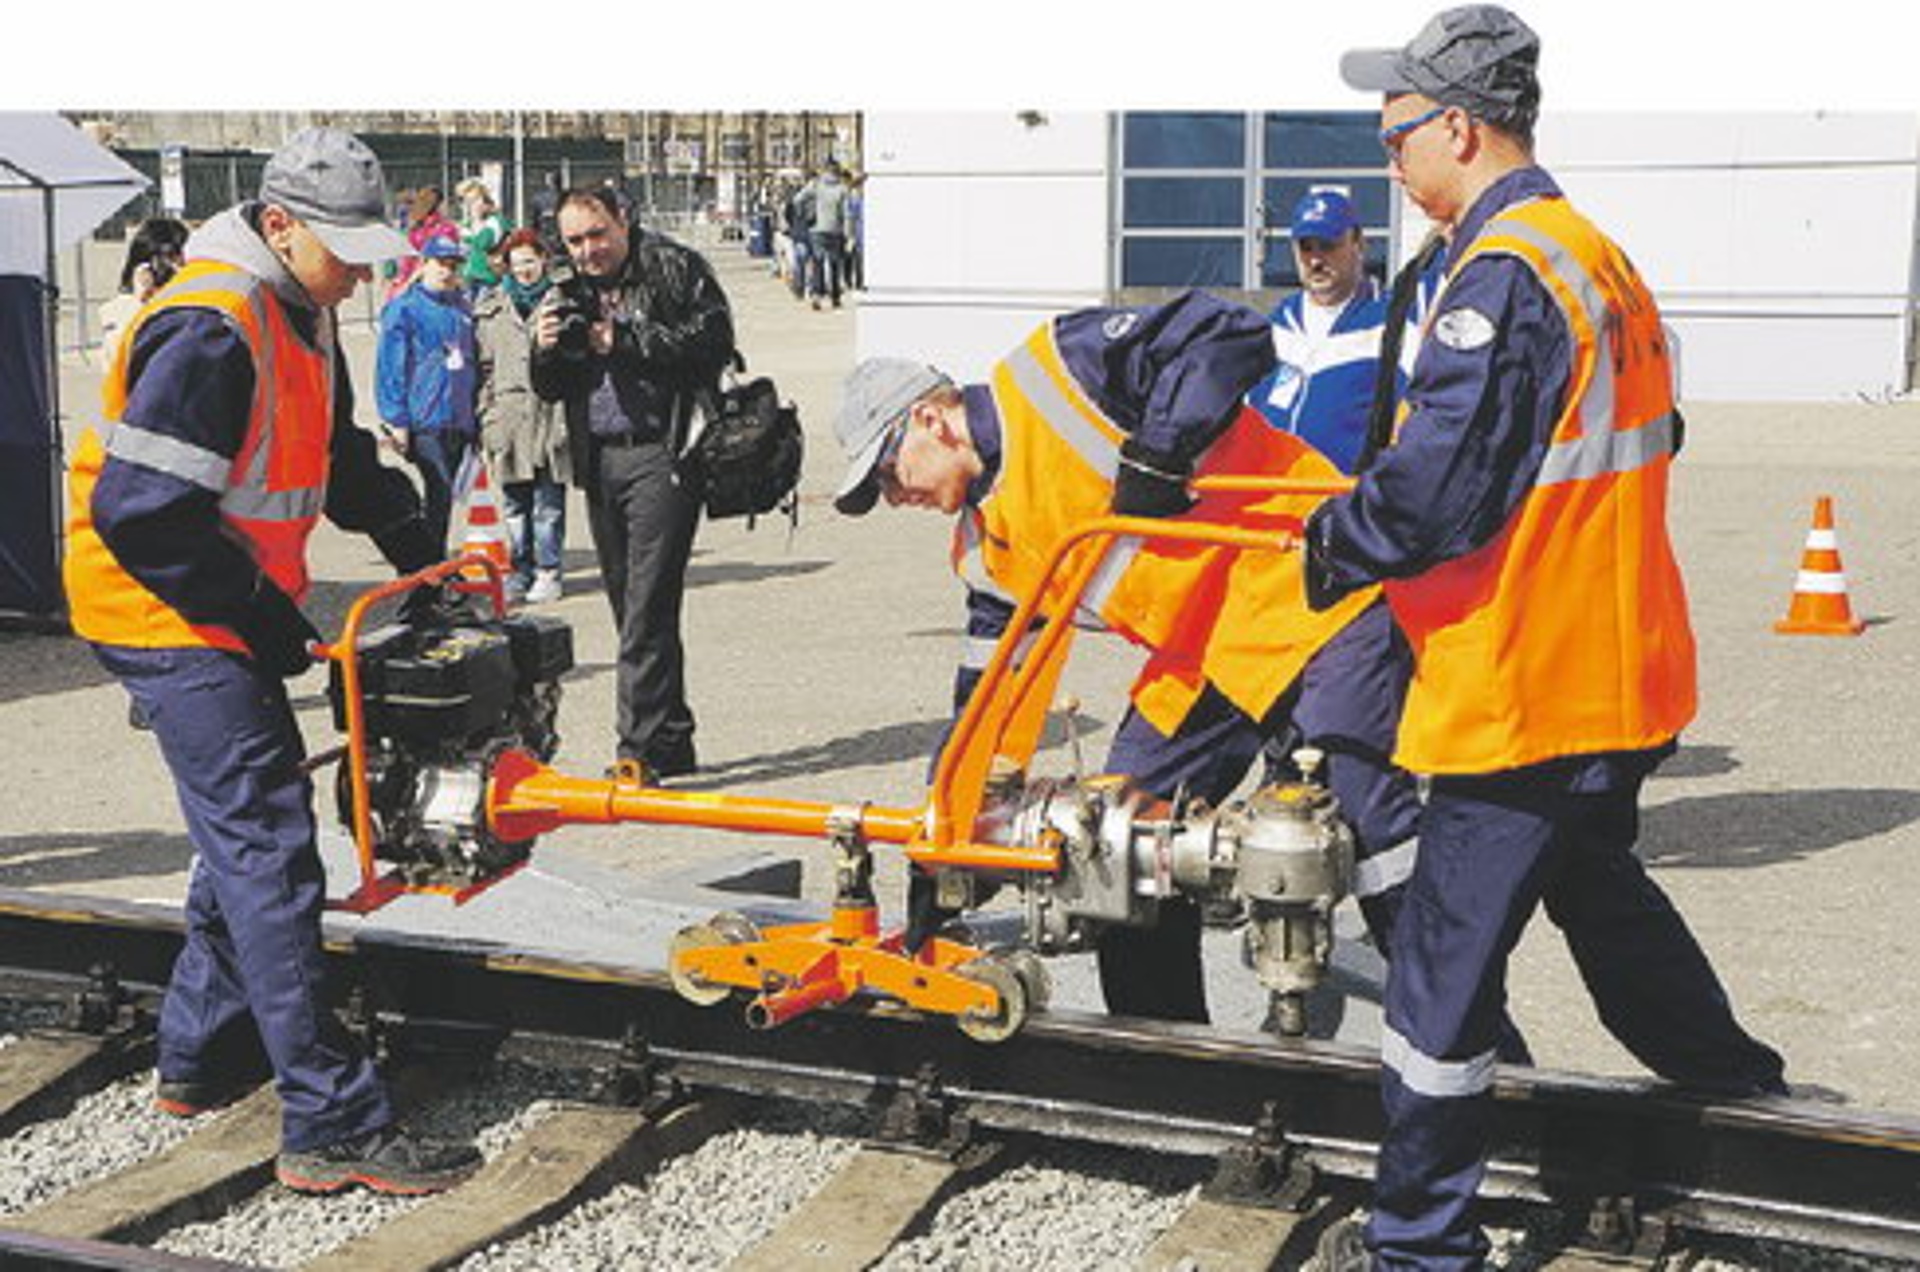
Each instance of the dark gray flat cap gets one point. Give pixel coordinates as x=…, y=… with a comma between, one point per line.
x=333, y=183
x=1479, y=57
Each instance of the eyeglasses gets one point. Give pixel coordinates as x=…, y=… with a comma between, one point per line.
x=1391, y=139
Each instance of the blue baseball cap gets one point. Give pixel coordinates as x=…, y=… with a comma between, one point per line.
x=443, y=246
x=1323, y=214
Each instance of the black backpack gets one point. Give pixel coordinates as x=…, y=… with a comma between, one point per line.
x=746, y=457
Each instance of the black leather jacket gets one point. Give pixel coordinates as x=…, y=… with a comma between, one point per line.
x=677, y=334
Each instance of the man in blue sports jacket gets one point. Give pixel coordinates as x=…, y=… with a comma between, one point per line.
x=1328, y=340
x=1326, y=336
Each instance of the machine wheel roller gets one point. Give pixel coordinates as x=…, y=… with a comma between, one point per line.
x=1020, y=981
x=726, y=928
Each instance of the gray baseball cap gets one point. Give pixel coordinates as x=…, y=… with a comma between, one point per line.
x=877, y=393
x=1479, y=57
x=333, y=183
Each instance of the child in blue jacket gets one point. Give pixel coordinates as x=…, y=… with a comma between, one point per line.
x=424, y=379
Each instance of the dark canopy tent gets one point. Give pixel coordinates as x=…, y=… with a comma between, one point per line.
x=56, y=185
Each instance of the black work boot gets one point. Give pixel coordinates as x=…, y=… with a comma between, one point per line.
x=389, y=1160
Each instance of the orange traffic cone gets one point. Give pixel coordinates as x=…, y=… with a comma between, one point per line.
x=485, y=535
x=1820, y=592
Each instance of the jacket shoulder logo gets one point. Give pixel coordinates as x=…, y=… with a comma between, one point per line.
x=1463, y=329
x=1118, y=325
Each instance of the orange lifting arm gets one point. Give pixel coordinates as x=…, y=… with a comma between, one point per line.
x=960, y=778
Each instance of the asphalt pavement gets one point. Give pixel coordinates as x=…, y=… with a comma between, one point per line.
x=820, y=663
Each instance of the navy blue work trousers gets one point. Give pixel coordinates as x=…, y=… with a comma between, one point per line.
x=1492, y=849
x=255, y=893
x=1346, y=702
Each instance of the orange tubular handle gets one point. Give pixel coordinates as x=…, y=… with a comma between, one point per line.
x=526, y=798
x=969, y=750
x=346, y=652
x=1247, y=484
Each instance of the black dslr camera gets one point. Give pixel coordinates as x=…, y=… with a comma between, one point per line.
x=162, y=266
x=576, y=304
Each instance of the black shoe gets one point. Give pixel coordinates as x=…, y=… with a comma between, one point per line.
x=674, y=761
x=390, y=1160
x=194, y=1096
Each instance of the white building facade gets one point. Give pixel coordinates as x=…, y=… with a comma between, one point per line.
x=1784, y=248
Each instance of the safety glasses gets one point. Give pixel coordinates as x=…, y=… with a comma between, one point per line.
x=1391, y=139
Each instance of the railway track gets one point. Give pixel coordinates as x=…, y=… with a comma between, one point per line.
x=867, y=1134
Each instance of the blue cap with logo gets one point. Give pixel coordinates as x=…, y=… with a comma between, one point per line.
x=1323, y=214
x=442, y=247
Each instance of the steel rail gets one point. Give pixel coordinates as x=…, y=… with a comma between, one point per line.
x=1839, y=1179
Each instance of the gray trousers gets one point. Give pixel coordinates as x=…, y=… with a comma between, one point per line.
x=643, y=522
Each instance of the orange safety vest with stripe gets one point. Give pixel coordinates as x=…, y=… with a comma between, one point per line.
x=1208, y=614
x=1568, y=633
x=271, y=491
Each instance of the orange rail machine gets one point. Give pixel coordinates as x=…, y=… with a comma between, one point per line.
x=450, y=723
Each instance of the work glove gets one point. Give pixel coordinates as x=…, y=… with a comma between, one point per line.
x=1322, y=592
x=408, y=546
x=1150, y=484
x=276, y=632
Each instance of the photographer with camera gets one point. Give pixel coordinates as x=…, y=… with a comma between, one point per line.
x=634, y=328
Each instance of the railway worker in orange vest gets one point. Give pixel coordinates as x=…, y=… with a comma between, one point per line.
x=1114, y=410
x=229, y=431
x=1518, y=524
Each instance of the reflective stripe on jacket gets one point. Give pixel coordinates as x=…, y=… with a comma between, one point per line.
x=1208, y=614
x=1567, y=634
x=271, y=492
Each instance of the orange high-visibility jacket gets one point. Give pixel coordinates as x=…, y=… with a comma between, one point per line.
x=271, y=492
x=1233, y=618
x=1568, y=633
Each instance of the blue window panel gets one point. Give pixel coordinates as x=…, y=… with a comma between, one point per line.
x=1277, y=267
x=1182, y=203
x=1186, y=140
x=1372, y=197
x=1181, y=262
x=1322, y=139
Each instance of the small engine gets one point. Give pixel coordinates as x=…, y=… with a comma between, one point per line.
x=440, y=701
x=1284, y=852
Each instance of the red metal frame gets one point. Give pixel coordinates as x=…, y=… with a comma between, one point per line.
x=376, y=890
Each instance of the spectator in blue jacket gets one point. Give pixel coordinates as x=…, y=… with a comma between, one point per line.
x=424, y=380
x=1327, y=334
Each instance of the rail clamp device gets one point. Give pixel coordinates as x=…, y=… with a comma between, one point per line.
x=450, y=727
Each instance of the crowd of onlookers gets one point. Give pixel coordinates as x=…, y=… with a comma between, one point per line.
x=817, y=234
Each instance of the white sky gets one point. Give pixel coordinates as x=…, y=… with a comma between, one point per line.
x=936, y=54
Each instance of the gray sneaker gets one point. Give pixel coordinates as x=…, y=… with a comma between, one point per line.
x=389, y=1160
